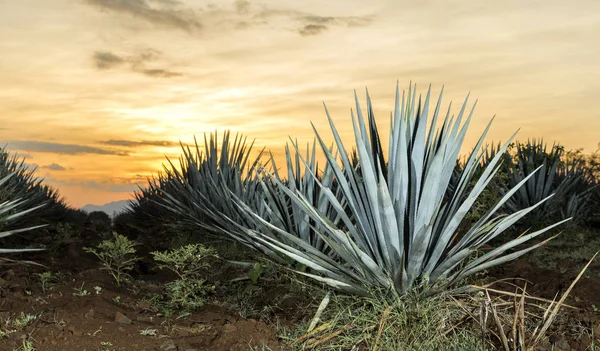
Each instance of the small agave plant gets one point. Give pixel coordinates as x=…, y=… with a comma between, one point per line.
x=9, y=213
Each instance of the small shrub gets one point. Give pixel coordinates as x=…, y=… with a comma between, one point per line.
x=23, y=320
x=27, y=345
x=408, y=323
x=47, y=280
x=148, y=332
x=116, y=257
x=99, y=217
x=65, y=231
x=81, y=291
x=189, y=263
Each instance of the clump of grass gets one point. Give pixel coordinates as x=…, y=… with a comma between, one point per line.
x=27, y=345
x=484, y=320
x=575, y=246
x=409, y=322
x=23, y=320
x=148, y=332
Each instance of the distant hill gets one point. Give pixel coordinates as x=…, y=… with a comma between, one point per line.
x=111, y=208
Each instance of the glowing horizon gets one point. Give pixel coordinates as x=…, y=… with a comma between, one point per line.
x=97, y=92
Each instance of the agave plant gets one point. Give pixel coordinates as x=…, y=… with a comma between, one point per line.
x=402, y=229
x=205, y=190
x=564, y=178
x=143, y=213
x=26, y=186
x=9, y=213
x=197, y=190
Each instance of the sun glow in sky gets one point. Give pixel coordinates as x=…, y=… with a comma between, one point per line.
x=97, y=92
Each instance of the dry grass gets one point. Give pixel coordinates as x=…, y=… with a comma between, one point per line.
x=486, y=320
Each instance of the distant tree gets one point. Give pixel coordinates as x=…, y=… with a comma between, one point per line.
x=76, y=216
x=99, y=217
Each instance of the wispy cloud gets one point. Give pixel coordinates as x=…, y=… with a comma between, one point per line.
x=165, y=13
x=132, y=143
x=242, y=7
x=115, y=185
x=105, y=60
x=160, y=73
x=22, y=155
x=243, y=14
x=312, y=29
x=311, y=24
x=68, y=149
x=54, y=167
x=314, y=25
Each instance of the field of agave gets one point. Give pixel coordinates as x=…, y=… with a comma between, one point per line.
x=389, y=245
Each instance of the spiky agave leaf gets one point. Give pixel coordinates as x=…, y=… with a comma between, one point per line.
x=403, y=229
x=303, y=177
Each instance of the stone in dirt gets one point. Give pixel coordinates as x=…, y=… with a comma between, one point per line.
x=168, y=345
x=121, y=318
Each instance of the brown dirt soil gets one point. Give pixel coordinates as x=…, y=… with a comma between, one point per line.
x=96, y=322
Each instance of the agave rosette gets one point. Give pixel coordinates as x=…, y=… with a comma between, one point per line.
x=397, y=228
x=555, y=176
x=200, y=188
x=203, y=188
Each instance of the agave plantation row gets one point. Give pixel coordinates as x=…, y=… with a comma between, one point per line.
x=367, y=219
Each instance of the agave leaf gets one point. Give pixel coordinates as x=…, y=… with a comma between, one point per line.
x=507, y=246
x=20, y=230
x=375, y=230
x=501, y=260
x=350, y=288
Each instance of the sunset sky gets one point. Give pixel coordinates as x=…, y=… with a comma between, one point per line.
x=97, y=92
